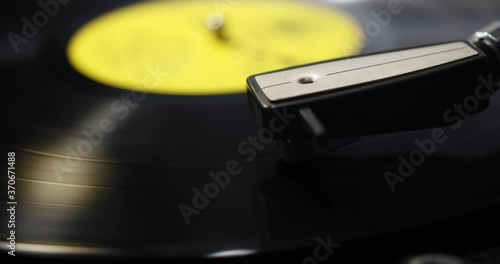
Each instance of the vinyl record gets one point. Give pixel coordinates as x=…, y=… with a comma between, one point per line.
x=130, y=143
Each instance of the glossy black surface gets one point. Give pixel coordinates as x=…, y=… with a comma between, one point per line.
x=122, y=199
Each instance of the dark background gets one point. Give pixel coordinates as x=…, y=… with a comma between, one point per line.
x=122, y=202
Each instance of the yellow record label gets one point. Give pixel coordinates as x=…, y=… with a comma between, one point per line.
x=208, y=47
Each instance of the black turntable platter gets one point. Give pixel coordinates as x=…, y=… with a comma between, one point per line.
x=106, y=173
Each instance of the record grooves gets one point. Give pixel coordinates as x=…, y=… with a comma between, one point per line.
x=102, y=170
